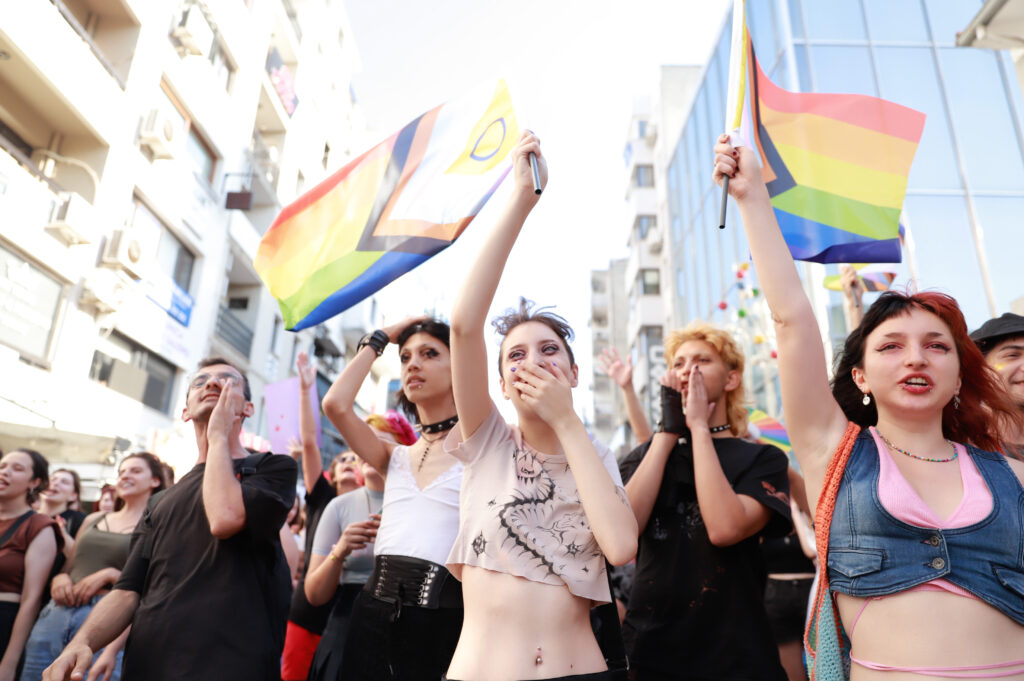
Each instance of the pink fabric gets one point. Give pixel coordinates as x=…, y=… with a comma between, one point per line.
x=903, y=503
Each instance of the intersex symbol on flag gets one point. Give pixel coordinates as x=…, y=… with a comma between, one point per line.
x=390, y=209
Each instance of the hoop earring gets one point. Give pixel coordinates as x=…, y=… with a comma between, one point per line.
x=867, y=399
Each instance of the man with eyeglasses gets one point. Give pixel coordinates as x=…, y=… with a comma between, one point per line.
x=206, y=586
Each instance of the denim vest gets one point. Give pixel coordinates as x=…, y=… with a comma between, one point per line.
x=871, y=553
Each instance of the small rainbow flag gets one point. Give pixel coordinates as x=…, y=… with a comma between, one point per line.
x=389, y=210
x=835, y=165
x=873, y=278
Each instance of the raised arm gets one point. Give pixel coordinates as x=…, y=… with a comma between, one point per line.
x=312, y=464
x=339, y=403
x=853, y=296
x=469, y=349
x=622, y=373
x=642, y=488
x=815, y=421
x=222, y=490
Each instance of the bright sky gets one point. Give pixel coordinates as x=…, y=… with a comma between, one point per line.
x=574, y=68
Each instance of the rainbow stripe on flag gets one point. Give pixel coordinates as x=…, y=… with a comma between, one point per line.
x=389, y=210
x=835, y=165
x=874, y=278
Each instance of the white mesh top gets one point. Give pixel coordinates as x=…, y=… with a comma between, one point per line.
x=521, y=512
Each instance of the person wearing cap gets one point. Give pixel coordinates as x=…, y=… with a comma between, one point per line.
x=1001, y=340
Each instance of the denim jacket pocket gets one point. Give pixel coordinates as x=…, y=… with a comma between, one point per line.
x=855, y=562
x=1011, y=579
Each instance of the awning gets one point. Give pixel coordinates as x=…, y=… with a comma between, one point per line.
x=998, y=25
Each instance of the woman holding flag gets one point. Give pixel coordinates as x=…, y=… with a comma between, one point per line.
x=919, y=528
x=405, y=622
x=542, y=506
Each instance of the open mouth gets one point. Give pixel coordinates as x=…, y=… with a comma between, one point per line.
x=916, y=384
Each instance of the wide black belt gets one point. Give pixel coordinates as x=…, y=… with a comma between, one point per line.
x=402, y=580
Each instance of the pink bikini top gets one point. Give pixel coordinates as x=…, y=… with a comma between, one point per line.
x=903, y=503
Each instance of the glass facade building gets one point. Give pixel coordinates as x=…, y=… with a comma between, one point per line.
x=966, y=189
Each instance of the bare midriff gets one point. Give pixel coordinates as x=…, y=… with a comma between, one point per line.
x=517, y=629
x=919, y=629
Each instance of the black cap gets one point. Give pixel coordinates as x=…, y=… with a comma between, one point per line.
x=995, y=330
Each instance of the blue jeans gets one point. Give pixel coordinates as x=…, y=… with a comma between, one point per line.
x=53, y=630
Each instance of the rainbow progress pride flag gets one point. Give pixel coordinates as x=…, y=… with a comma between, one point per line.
x=835, y=165
x=389, y=210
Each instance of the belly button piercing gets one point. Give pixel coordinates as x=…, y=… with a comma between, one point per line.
x=538, y=660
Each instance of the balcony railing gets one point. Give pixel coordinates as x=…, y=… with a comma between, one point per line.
x=84, y=35
x=234, y=331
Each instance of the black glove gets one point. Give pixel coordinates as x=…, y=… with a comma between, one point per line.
x=672, y=418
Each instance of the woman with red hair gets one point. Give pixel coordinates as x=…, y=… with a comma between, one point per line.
x=919, y=521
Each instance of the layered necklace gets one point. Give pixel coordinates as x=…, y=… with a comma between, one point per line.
x=437, y=429
x=915, y=456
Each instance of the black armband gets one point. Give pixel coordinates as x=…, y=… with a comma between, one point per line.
x=378, y=340
x=672, y=418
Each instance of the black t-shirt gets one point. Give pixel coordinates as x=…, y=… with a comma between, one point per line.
x=696, y=610
x=211, y=608
x=312, y=617
x=72, y=520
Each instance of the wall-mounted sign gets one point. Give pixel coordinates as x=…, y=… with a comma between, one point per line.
x=284, y=83
x=170, y=297
x=29, y=299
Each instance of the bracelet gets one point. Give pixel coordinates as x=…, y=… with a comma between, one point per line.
x=332, y=556
x=378, y=340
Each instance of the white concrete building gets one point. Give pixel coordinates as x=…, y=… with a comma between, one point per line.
x=145, y=147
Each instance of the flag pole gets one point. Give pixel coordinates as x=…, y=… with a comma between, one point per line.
x=736, y=93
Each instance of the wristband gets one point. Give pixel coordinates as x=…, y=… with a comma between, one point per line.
x=378, y=340
x=672, y=418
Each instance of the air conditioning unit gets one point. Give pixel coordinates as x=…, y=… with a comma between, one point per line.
x=193, y=32
x=104, y=291
x=73, y=220
x=132, y=250
x=158, y=133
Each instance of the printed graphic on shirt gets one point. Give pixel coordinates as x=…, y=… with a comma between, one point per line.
x=536, y=521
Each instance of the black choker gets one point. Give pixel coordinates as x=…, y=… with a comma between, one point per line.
x=719, y=429
x=440, y=426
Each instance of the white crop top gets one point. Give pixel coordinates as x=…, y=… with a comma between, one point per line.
x=521, y=512
x=414, y=522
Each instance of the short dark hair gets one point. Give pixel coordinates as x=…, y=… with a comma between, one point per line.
x=432, y=327
x=513, y=317
x=75, y=477
x=40, y=470
x=210, y=361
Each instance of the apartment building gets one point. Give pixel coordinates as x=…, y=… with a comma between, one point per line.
x=145, y=148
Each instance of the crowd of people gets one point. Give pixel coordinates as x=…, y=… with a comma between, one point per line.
x=479, y=550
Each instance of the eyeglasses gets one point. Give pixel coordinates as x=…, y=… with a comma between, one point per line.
x=199, y=380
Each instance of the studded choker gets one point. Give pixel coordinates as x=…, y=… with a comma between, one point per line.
x=440, y=426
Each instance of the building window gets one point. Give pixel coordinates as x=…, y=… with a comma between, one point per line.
x=173, y=257
x=649, y=282
x=29, y=302
x=641, y=128
x=201, y=153
x=643, y=176
x=644, y=223
x=125, y=366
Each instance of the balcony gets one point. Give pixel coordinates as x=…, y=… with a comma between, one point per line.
x=233, y=331
x=113, y=35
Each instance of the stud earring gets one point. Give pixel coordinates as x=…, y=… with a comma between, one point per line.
x=867, y=399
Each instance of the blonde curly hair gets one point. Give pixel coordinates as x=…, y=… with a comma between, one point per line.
x=727, y=348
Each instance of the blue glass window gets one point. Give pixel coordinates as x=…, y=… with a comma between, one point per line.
x=948, y=17
x=896, y=20
x=803, y=68
x=796, y=19
x=999, y=218
x=843, y=69
x=908, y=77
x=981, y=118
x=834, y=20
x=761, y=21
x=944, y=248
